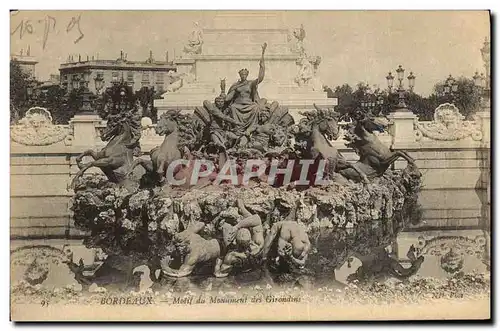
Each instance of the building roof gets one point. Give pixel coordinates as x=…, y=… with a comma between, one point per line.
x=23, y=59
x=119, y=64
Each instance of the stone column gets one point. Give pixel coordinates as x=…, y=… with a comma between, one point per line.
x=484, y=118
x=402, y=129
x=84, y=129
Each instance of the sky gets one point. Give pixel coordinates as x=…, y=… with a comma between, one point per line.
x=355, y=46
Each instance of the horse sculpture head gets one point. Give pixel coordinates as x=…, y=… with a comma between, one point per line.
x=369, y=122
x=327, y=123
x=168, y=122
x=174, y=120
x=116, y=125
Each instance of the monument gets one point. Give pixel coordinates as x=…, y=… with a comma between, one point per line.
x=232, y=43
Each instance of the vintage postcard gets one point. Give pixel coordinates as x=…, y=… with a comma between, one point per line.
x=250, y=165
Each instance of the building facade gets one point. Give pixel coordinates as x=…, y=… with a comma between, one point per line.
x=97, y=74
x=26, y=62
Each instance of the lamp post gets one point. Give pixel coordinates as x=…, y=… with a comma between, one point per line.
x=86, y=107
x=450, y=88
x=482, y=81
x=99, y=84
x=485, y=53
x=390, y=81
x=400, y=90
x=379, y=104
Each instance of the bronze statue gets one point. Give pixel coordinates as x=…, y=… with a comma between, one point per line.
x=174, y=126
x=322, y=127
x=290, y=242
x=123, y=132
x=375, y=156
x=243, y=98
x=242, y=242
x=196, y=249
x=214, y=118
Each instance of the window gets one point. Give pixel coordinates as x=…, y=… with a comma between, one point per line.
x=114, y=76
x=130, y=76
x=145, y=76
x=159, y=86
x=159, y=77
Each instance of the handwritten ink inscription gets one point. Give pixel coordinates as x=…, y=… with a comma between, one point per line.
x=75, y=22
x=46, y=25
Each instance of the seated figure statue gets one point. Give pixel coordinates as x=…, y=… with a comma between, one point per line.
x=216, y=120
x=245, y=105
x=271, y=129
x=195, y=41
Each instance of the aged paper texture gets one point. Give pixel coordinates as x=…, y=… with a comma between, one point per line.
x=250, y=165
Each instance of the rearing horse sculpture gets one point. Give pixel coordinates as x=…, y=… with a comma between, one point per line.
x=176, y=129
x=123, y=137
x=324, y=128
x=374, y=156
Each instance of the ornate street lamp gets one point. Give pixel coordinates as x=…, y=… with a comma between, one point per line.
x=380, y=104
x=390, y=81
x=483, y=81
x=86, y=101
x=478, y=79
x=486, y=55
x=99, y=84
x=400, y=71
x=411, y=81
x=450, y=88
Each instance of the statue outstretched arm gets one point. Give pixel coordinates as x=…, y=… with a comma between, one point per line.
x=243, y=210
x=262, y=68
x=317, y=108
x=249, y=222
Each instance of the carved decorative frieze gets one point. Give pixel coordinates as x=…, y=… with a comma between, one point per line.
x=452, y=250
x=448, y=124
x=36, y=129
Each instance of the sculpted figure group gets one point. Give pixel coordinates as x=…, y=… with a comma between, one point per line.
x=237, y=121
x=241, y=241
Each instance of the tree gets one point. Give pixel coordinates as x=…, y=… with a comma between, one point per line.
x=62, y=107
x=467, y=98
x=421, y=106
x=344, y=97
x=19, y=84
